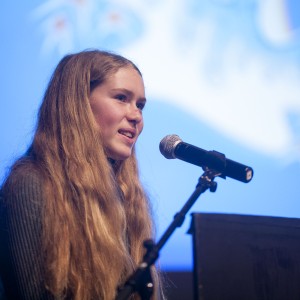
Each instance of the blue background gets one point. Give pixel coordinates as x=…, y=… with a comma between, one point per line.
x=31, y=46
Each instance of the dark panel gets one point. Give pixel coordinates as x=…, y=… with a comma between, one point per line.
x=178, y=285
x=246, y=257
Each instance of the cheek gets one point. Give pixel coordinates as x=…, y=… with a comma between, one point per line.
x=102, y=116
x=141, y=127
x=98, y=118
x=105, y=123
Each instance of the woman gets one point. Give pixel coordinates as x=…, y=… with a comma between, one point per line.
x=74, y=212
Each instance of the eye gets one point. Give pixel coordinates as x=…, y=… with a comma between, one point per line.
x=121, y=97
x=141, y=105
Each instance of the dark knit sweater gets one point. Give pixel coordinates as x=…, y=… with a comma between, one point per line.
x=20, y=235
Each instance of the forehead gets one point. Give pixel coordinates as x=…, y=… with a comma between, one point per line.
x=126, y=77
x=124, y=72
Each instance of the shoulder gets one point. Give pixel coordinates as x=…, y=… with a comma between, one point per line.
x=23, y=188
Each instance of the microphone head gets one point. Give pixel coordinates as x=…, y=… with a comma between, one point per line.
x=168, y=144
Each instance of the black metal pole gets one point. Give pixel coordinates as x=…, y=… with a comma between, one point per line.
x=139, y=281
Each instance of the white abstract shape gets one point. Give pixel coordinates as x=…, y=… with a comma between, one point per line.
x=246, y=104
x=84, y=12
x=64, y=22
x=115, y=20
x=243, y=101
x=273, y=23
x=58, y=34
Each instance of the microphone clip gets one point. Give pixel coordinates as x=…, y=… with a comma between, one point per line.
x=207, y=179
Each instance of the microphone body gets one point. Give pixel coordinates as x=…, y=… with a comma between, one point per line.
x=172, y=146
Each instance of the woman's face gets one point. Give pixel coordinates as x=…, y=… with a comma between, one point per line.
x=117, y=105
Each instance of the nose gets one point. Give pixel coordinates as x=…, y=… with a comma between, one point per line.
x=134, y=114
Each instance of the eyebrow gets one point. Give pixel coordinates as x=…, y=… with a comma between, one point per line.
x=128, y=92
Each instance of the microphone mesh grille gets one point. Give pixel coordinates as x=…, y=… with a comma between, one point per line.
x=167, y=145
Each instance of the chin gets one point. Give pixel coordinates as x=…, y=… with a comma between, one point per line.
x=120, y=156
x=119, y=152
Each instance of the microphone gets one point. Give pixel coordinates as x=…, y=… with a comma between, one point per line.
x=171, y=146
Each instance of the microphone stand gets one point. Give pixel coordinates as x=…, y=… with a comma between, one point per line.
x=140, y=281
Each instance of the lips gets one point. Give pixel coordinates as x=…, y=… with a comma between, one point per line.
x=127, y=132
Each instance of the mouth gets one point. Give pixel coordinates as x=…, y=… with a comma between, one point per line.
x=128, y=133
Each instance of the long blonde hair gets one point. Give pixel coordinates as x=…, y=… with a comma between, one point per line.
x=96, y=216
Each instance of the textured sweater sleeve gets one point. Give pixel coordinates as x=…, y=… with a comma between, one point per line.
x=21, y=228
